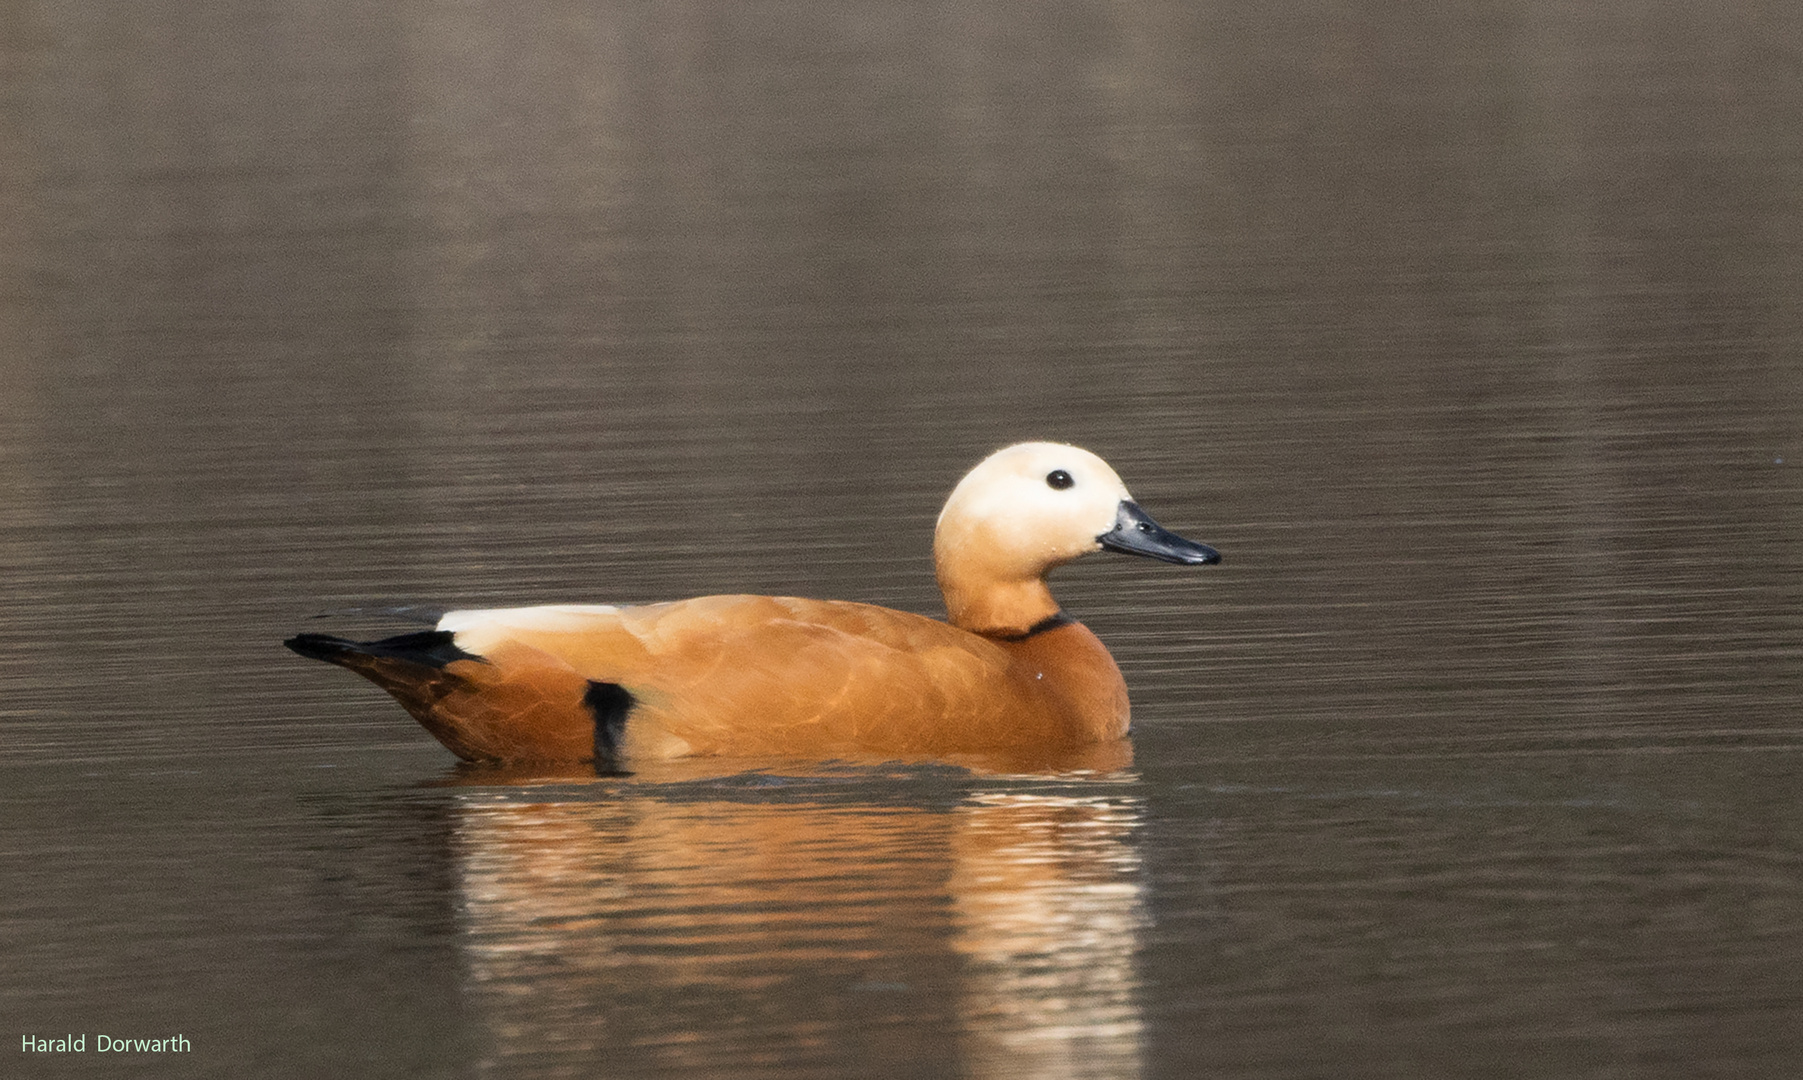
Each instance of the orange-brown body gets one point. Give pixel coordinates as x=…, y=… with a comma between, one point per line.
x=748, y=675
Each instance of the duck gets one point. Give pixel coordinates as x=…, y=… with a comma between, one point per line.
x=743, y=675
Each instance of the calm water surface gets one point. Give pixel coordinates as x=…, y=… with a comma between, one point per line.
x=1472, y=336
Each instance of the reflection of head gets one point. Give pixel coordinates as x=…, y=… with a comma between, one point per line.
x=1049, y=903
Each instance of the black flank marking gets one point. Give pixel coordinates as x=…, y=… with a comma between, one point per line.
x=610, y=702
x=430, y=648
x=1050, y=622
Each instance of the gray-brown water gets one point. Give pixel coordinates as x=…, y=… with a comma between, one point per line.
x=1471, y=333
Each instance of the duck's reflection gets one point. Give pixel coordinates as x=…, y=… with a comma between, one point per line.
x=661, y=929
x=1047, y=893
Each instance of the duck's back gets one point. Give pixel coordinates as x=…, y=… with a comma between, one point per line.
x=758, y=675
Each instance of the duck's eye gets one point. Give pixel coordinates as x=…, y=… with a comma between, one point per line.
x=1058, y=480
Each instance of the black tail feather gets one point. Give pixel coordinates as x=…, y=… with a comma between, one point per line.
x=429, y=648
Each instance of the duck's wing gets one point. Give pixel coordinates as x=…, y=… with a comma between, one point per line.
x=760, y=674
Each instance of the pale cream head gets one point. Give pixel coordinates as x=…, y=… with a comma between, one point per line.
x=1012, y=519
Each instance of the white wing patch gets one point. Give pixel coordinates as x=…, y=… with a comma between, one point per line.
x=488, y=624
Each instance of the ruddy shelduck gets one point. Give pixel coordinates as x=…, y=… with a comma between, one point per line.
x=776, y=675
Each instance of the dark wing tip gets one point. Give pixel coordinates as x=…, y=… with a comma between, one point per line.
x=429, y=648
x=320, y=646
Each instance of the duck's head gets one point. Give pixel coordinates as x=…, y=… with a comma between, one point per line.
x=1025, y=510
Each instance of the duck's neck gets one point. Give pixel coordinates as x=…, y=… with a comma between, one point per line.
x=997, y=608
